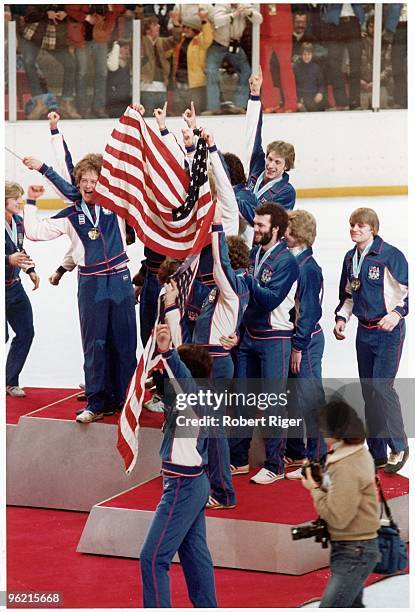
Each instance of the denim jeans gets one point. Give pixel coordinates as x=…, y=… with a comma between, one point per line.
x=30, y=53
x=99, y=53
x=20, y=318
x=351, y=562
x=215, y=56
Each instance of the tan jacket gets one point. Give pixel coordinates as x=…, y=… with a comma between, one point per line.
x=164, y=46
x=350, y=506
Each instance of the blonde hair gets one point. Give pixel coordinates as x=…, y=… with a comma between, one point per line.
x=12, y=190
x=284, y=150
x=92, y=161
x=302, y=225
x=366, y=215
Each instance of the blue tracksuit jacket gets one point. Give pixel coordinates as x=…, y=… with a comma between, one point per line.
x=183, y=456
x=12, y=273
x=307, y=300
x=279, y=191
x=383, y=284
x=272, y=291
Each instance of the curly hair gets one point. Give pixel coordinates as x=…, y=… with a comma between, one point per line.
x=340, y=421
x=12, y=190
x=167, y=268
x=302, y=226
x=238, y=252
x=278, y=214
x=284, y=150
x=197, y=359
x=235, y=168
x=91, y=162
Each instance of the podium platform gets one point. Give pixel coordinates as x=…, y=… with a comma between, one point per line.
x=55, y=462
x=256, y=535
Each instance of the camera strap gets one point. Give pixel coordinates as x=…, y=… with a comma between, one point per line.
x=385, y=504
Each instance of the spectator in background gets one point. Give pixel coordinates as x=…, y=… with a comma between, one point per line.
x=155, y=64
x=343, y=31
x=163, y=14
x=276, y=37
x=396, y=32
x=118, y=81
x=366, y=76
x=46, y=29
x=300, y=35
x=229, y=22
x=189, y=61
x=309, y=81
x=89, y=31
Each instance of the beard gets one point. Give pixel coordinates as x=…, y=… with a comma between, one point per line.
x=263, y=239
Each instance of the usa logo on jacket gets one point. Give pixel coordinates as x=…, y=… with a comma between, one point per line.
x=373, y=273
x=266, y=275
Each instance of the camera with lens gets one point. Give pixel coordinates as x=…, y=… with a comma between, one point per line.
x=316, y=529
x=316, y=471
x=234, y=46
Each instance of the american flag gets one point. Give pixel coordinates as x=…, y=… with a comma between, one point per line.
x=128, y=426
x=143, y=182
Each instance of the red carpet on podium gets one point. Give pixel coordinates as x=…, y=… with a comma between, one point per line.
x=41, y=556
x=285, y=502
x=63, y=404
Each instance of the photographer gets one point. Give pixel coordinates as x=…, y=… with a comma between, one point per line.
x=347, y=500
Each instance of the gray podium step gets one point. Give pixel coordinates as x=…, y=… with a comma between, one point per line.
x=115, y=529
x=57, y=463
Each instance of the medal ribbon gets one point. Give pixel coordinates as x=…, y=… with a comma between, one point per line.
x=87, y=213
x=12, y=231
x=357, y=265
x=258, y=263
x=260, y=191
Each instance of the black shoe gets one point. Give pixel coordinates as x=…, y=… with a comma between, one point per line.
x=381, y=462
x=396, y=461
x=81, y=398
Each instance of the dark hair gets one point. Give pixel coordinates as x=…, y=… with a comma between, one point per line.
x=149, y=21
x=236, y=168
x=278, y=214
x=167, y=268
x=339, y=420
x=197, y=359
x=238, y=252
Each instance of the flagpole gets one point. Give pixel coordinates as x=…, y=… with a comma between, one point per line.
x=13, y=153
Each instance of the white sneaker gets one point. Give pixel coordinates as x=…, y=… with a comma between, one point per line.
x=265, y=476
x=294, y=475
x=155, y=404
x=241, y=469
x=87, y=416
x=15, y=391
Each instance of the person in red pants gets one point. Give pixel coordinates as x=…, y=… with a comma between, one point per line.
x=276, y=36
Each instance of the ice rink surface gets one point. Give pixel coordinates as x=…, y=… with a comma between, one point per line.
x=55, y=359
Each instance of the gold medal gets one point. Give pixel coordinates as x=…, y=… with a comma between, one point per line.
x=94, y=233
x=355, y=284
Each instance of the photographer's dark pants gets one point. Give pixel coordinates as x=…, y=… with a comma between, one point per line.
x=351, y=562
